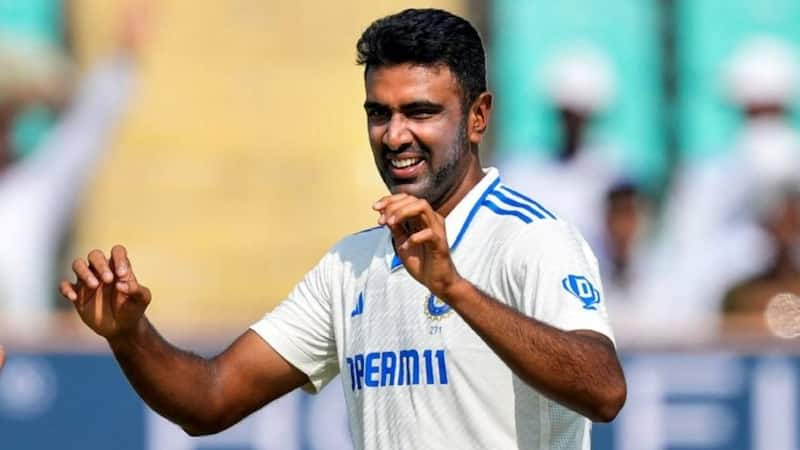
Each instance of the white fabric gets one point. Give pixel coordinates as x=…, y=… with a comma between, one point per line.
x=575, y=189
x=453, y=391
x=762, y=70
x=712, y=235
x=581, y=78
x=38, y=194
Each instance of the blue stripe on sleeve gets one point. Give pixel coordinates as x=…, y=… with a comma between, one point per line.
x=528, y=199
x=506, y=212
x=512, y=202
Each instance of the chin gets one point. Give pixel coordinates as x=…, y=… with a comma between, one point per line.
x=408, y=188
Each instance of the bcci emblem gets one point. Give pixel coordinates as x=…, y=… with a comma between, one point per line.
x=582, y=288
x=436, y=309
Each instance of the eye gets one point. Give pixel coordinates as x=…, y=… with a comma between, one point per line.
x=421, y=115
x=422, y=112
x=377, y=115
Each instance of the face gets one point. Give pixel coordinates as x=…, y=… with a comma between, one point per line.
x=624, y=219
x=418, y=131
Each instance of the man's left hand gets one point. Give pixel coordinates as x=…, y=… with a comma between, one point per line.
x=420, y=241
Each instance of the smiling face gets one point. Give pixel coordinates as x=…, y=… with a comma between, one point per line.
x=419, y=133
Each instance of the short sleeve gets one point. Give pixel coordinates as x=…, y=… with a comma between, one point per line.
x=560, y=280
x=300, y=328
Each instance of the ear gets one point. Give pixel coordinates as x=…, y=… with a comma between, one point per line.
x=479, y=115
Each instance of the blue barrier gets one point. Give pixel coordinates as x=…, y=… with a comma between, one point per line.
x=709, y=401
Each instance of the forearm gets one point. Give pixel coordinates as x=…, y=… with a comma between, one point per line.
x=176, y=384
x=578, y=371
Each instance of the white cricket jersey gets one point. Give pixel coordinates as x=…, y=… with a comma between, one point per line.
x=415, y=375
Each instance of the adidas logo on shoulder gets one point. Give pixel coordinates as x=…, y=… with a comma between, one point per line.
x=359, y=309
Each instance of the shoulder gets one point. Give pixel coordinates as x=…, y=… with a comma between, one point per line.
x=519, y=217
x=553, y=241
x=506, y=201
x=529, y=228
x=361, y=244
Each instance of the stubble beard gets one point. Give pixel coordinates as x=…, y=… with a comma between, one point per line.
x=435, y=186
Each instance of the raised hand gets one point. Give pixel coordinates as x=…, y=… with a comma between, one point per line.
x=420, y=240
x=107, y=295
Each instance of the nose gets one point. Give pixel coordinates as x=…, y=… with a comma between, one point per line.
x=397, y=135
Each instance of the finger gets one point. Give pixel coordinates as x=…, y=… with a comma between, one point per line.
x=420, y=237
x=399, y=233
x=84, y=274
x=99, y=263
x=417, y=209
x=389, y=210
x=2, y=356
x=134, y=291
x=120, y=261
x=68, y=291
x=383, y=201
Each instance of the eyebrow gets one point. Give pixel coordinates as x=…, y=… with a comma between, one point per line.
x=421, y=104
x=374, y=105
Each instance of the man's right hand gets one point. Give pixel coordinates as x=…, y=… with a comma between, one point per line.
x=107, y=295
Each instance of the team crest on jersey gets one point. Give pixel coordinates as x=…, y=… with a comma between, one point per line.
x=582, y=288
x=436, y=309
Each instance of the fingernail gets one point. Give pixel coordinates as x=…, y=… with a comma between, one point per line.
x=391, y=220
x=121, y=270
x=108, y=276
x=72, y=296
x=93, y=282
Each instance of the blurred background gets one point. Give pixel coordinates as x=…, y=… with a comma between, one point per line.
x=224, y=144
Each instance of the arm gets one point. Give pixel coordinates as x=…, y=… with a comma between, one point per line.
x=201, y=395
x=578, y=369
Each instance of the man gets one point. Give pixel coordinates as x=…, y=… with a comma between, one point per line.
x=444, y=320
x=746, y=301
x=711, y=224
x=38, y=193
x=580, y=81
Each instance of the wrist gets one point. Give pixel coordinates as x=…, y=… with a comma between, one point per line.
x=128, y=338
x=458, y=289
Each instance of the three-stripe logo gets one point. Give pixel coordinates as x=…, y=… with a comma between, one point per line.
x=359, y=308
x=505, y=201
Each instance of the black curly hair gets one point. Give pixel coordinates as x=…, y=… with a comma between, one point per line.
x=427, y=37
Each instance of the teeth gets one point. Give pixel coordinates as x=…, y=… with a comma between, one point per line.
x=400, y=163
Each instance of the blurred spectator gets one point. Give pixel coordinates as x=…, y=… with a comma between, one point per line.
x=711, y=214
x=38, y=193
x=621, y=246
x=33, y=73
x=43, y=24
x=635, y=269
x=573, y=181
x=747, y=300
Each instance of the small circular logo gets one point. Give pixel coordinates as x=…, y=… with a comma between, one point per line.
x=436, y=309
